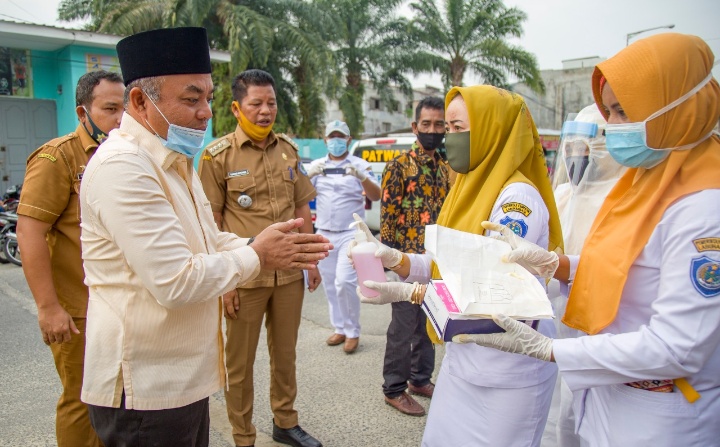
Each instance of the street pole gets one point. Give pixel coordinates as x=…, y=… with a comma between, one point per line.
x=635, y=33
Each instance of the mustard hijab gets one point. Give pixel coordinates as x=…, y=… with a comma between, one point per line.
x=504, y=148
x=645, y=77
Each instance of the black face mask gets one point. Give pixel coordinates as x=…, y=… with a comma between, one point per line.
x=430, y=141
x=457, y=146
x=576, y=166
x=96, y=133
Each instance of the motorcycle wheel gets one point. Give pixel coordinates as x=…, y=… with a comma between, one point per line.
x=12, y=251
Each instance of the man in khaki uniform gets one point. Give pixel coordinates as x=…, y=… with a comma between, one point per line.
x=49, y=238
x=254, y=178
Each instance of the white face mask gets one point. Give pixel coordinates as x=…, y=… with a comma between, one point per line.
x=627, y=142
x=184, y=140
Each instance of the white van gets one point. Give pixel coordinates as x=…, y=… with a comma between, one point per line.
x=378, y=151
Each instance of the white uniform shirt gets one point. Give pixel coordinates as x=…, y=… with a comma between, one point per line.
x=520, y=207
x=666, y=327
x=338, y=195
x=155, y=271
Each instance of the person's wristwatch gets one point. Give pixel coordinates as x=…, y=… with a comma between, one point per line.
x=251, y=240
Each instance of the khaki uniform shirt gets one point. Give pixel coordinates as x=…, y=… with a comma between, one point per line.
x=254, y=188
x=50, y=194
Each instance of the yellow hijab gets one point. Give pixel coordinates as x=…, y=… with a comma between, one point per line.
x=645, y=77
x=504, y=148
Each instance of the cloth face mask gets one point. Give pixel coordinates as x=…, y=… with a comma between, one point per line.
x=457, y=146
x=183, y=140
x=430, y=141
x=252, y=130
x=337, y=146
x=627, y=142
x=97, y=134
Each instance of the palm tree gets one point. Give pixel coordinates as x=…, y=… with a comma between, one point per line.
x=472, y=35
x=363, y=43
x=258, y=34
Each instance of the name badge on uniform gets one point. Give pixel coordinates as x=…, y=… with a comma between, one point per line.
x=238, y=173
x=245, y=201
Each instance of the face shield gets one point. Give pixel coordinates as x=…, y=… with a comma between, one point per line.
x=584, y=175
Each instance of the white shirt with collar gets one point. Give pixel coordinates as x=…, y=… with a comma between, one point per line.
x=338, y=195
x=155, y=265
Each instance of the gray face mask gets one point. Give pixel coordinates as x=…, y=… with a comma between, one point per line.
x=457, y=146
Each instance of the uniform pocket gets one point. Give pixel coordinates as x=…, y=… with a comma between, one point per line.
x=244, y=187
x=289, y=179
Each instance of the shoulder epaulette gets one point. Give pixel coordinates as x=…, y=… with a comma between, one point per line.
x=60, y=140
x=218, y=146
x=289, y=141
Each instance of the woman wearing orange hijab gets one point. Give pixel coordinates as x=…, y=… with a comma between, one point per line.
x=484, y=397
x=646, y=286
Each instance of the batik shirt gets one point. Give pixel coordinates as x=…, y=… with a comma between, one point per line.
x=414, y=187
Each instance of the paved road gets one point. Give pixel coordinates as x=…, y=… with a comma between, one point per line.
x=340, y=399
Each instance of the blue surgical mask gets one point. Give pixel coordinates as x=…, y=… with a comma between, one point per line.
x=337, y=146
x=183, y=140
x=627, y=143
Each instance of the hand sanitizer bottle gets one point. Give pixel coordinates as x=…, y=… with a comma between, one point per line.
x=368, y=267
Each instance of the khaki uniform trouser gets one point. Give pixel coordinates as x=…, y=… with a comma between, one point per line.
x=72, y=423
x=283, y=306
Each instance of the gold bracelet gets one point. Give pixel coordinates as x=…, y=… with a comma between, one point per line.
x=417, y=296
x=399, y=264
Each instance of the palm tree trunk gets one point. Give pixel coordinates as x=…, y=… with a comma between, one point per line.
x=457, y=70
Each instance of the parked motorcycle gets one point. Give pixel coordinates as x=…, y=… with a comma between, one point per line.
x=11, y=198
x=11, y=250
x=8, y=222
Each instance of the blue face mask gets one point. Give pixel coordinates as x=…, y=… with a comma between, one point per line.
x=627, y=142
x=337, y=146
x=183, y=140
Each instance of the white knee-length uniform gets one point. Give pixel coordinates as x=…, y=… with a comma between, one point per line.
x=484, y=397
x=667, y=327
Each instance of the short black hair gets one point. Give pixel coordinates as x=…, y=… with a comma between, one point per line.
x=246, y=79
x=86, y=85
x=429, y=102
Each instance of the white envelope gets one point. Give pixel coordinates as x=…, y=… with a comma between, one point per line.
x=480, y=282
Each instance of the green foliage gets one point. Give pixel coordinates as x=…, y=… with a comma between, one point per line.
x=472, y=34
x=331, y=48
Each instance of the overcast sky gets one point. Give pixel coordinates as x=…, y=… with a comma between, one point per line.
x=554, y=31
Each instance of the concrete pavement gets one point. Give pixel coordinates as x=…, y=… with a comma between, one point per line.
x=340, y=400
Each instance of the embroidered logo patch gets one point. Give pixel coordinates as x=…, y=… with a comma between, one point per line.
x=242, y=173
x=206, y=157
x=48, y=156
x=707, y=244
x=302, y=170
x=705, y=276
x=516, y=207
x=518, y=226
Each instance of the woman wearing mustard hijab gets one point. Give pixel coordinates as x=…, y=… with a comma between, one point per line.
x=484, y=397
x=646, y=286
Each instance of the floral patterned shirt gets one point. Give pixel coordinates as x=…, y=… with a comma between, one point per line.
x=414, y=186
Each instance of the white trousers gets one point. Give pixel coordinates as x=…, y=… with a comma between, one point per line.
x=466, y=415
x=340, y=282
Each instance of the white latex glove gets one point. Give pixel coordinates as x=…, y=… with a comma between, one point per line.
x=389, y=256
x=536, y=260
x=390, y=292
x=355, y=172
x=519, y=338
x=316, y=169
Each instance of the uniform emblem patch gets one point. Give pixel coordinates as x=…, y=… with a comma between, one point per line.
x=705, y=276
x=518, y=226
x=48, y=156
x=301, y=168
x=206, y=157
x=284, y=156
x=707, y=244
x=242, y=173
x=516, y=207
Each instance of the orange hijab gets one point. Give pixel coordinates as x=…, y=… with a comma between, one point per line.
x=645, y=77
